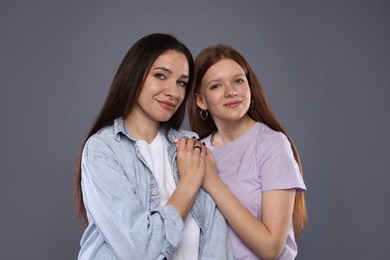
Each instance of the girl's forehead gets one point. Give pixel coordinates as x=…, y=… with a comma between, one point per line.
x=224, y=67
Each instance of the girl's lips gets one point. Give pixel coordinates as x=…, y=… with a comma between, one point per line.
x=233, y=104
x=167, y=105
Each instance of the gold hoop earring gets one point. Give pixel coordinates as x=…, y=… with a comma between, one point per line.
x=204, y=117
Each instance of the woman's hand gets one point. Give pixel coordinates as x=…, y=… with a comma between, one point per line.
x=191, y=166
x=191, y=155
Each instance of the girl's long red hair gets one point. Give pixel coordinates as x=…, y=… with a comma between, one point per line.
x=260, y=112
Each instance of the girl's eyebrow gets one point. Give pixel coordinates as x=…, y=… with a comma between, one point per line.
x=219, y=79
x=212, y=81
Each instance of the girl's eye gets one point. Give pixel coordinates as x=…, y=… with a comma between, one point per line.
x=239, y=81
x=159, y=76
x=182, y=83
x=214, y=86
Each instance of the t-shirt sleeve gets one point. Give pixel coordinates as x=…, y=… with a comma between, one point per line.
x=278, y=168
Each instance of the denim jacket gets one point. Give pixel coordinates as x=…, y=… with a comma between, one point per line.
x=121, y=197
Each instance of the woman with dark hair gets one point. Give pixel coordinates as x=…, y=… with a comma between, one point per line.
x=138, y=177
x=257, y=183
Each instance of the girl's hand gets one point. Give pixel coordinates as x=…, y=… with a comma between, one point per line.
x=211, y=175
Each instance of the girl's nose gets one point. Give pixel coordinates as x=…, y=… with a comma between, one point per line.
x=230, y=91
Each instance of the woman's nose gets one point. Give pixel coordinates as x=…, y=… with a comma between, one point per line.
x=172, y=90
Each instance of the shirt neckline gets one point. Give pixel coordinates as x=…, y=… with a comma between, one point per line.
x=236, y=141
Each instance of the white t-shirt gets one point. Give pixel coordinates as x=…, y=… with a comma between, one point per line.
x=157, y=159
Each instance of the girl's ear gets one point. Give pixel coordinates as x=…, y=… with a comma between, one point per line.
x=200, y=102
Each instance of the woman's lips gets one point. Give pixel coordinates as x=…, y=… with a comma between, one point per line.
x=167, y=105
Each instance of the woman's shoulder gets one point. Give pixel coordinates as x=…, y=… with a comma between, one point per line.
x=100, y=140
x=189, y=133
x=178, y=133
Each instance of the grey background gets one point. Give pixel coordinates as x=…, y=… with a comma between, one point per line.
x=325, y=67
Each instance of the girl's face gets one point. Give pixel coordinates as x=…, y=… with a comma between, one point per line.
x=164, y=88
x=225, y=92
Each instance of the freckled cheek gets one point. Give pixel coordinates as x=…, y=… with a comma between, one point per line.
x=246, y=93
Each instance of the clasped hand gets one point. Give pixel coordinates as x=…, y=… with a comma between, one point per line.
x=195, y=163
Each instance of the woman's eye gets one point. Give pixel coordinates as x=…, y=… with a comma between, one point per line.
x=159, y=76
x=182, y=83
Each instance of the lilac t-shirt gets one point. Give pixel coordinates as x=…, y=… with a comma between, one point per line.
x=260, y=160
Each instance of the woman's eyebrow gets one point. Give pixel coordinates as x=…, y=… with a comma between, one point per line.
x=169, y=71
x=163, y=68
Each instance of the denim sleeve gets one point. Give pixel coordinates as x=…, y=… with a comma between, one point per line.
x=216, y=244
x=130, y=230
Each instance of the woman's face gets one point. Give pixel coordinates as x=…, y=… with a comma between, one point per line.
x=225, y=92
x=164, y=88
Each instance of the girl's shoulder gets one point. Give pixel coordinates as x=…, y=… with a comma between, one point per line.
x=267, y=134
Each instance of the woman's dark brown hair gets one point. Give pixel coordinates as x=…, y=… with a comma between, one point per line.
x=260, y=112
x=125, y=90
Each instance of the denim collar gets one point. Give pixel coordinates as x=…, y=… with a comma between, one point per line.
x=120, y=128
